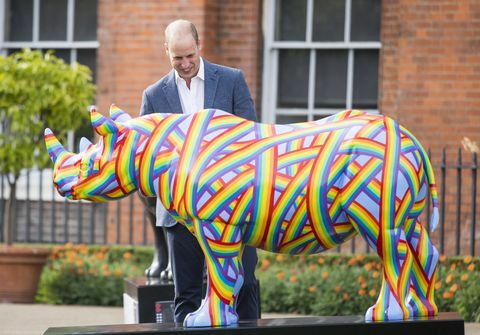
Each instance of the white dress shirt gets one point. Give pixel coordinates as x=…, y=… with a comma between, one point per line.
x=192, y=99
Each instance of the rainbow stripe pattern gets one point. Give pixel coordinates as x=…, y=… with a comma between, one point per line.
x=297, y=189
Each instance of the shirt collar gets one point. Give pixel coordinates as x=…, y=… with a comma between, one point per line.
x=200, y=74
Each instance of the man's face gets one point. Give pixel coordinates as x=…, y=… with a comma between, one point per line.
x=184, y=56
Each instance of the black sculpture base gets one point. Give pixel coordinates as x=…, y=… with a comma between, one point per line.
x=444, y=324
x=144, y=293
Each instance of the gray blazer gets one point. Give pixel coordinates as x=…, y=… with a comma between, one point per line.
x=225, y=89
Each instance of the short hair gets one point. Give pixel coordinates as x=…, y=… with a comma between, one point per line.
x=181, y=23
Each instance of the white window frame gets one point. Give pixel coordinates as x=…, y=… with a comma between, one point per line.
x=270, y=64
x=36, y=43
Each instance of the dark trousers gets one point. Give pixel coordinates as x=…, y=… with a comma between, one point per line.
x=188, y=261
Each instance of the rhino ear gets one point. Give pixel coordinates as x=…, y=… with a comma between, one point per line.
x=118, y=115
x=84, y=144
x=102, y=125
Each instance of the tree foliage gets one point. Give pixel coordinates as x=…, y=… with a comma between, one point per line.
x=38, y=91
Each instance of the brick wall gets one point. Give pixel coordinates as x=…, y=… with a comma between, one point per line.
x=239, y=37
x=430, y=82
x=430, y=68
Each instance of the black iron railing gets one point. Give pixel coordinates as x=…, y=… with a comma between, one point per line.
x=42, y=216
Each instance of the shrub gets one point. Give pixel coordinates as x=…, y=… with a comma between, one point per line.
x=458, y=286
x=333, y=284
x=84, y=275
x=327, y=284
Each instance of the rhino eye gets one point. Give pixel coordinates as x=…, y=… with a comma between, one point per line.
x=83, y=169
x=96, y=165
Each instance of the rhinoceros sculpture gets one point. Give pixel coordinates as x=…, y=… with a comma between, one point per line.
x=298, y=189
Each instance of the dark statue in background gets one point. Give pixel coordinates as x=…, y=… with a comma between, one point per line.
x=160, y=267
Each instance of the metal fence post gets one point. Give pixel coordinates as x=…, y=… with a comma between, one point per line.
x=40, y=205
x=105, y=222
x=443, y=172
x=66, y=219
x=144, y=227
x=474, y=203
x=427, y=206
x=119, y=231
x=27, y=209
x=2, y=205
x=54, y=218
x=79, y=222
x=93, y=212
x=458, y=202
x=130, y=224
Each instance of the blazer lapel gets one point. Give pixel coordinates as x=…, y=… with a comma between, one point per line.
x=211, y=81
x=171, y=92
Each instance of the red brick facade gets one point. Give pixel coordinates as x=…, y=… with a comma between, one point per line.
x=430, y=82
x=430, y=68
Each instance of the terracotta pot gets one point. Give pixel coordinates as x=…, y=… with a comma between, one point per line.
x=20, y=270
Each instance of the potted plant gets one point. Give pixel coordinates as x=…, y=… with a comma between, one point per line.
x=36, y=90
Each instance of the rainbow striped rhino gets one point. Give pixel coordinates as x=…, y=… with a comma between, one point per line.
x=297, y=189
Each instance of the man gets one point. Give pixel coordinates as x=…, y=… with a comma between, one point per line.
x=192, y=85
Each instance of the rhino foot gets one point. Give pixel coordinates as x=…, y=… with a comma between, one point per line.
x=202, y=317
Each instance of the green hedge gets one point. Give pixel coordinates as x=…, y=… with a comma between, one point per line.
x=325, y=284
x=90, y=275
x=338, y=284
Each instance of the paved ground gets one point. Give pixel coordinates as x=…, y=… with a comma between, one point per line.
x=20, y=319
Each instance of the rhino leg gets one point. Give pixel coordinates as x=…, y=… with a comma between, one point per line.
x=425, y=260
x=388, y=237
x=382, y=225
x=397, y=262
x=222, y=245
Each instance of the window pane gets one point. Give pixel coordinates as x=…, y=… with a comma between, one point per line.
x=286, y=119
x=88, y=57
x=53, y=20
x=293, y=78
x=291, y=18
x=328, y=20
x=319, y=117
x=331, y=78
x=20, y=21
x=85, y=20
x=60, y=53
x=365, y=79
x=365, y=20
x=12, y=51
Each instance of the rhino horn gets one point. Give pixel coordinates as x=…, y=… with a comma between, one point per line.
x=54, y=147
